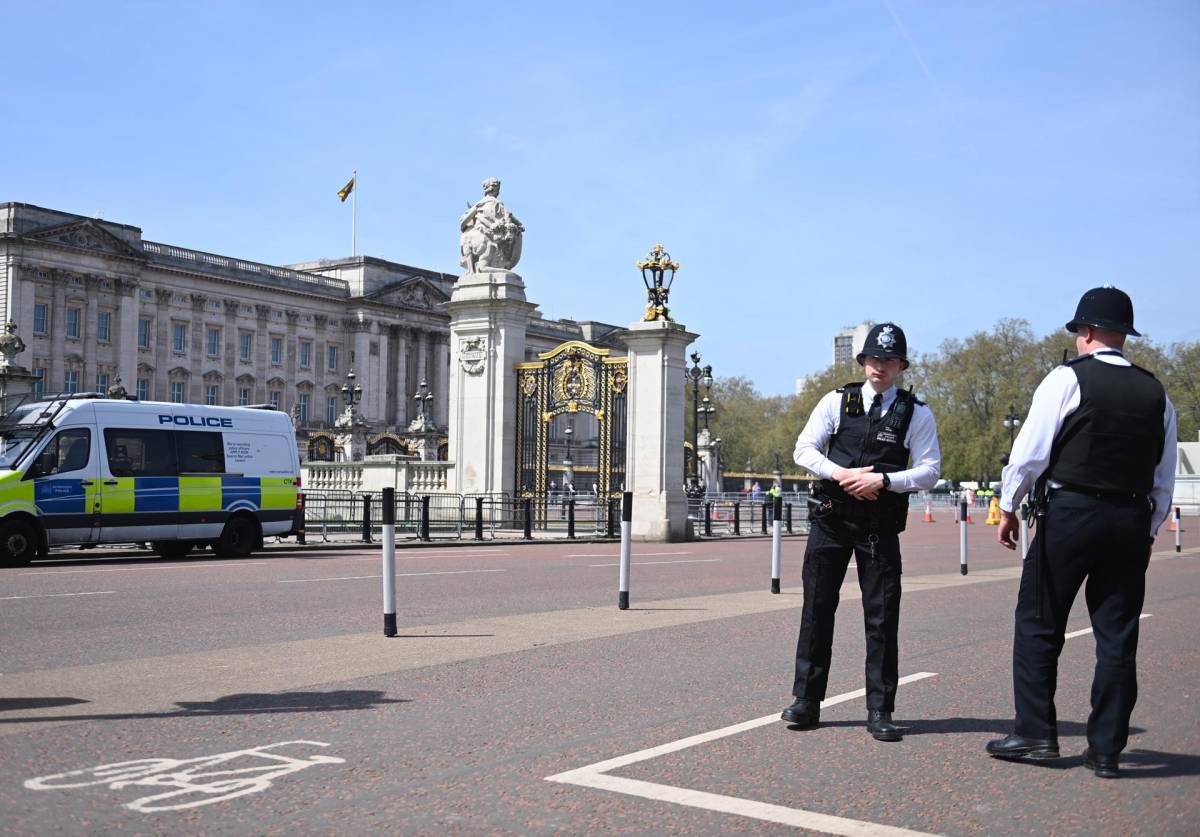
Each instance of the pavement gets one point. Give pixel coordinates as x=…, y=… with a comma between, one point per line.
x=260, y=696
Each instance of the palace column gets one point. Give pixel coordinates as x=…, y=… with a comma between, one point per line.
x=654, y=468
x=162, y=344
x=399, y=414
x=126, y=333
x=488, y=318
x=441, y=398
x=229, y=351
x=199, y=357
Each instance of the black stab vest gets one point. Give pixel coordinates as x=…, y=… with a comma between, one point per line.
x=1114, y=441
x=859, y=441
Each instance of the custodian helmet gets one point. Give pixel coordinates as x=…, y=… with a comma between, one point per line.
x=885, y=340
x=1107, y=308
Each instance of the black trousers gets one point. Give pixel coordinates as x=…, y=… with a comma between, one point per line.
x=830, y=544
x=1107, y=543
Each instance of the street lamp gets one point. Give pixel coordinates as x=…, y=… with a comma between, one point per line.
x=351, y=392
x=706, y=410
x=658, y=272
x=568, y=464
x=1012, y=421
x=698, y=375
x=423, y=397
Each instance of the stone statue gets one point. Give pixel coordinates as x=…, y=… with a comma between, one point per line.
x=491, y=235
x=11, y=345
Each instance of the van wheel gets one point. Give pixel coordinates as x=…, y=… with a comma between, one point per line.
x=239, y=538
x=172, y=549
x=18, y=543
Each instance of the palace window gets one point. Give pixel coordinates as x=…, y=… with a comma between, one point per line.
x=276, y=395
x=213, y=339
x=210, y=395
x=305, y=354
x=331, y=409
x=143, y=333
x=333, y=358
x=302, y=402
x=41, y=318
x=39, y=381
x=73, y=317
x=71, y=381
x=276, y=350
x=243, y=397
x=179, y=337
x=102, y=382
x=177, y=391
x=104, y=326
x=143, y=389
x=246, y=345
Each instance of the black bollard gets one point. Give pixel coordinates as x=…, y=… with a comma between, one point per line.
x=737, y=518
x=528, y=519
x=424, y=535
x=788, y=509
x=766, y=505
x=571, y=519
x=708, y=519
x=478, y=518
x=300, y=517
x=366, y=519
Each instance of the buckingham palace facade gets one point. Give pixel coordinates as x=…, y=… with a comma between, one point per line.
x=93, y=301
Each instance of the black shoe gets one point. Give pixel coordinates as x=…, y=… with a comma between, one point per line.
x=1015, y=746
x=880, y=725
x=804, y=713
x=1103, y=766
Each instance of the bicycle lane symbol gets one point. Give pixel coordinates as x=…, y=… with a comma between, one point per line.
x=191, y=783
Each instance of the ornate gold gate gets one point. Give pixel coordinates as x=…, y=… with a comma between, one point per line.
x=571, y=421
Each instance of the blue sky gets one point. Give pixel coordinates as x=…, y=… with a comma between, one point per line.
x=810, y=164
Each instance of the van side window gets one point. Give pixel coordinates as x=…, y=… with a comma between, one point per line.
x=140, y=453
x=69, y=451
x=200, y=452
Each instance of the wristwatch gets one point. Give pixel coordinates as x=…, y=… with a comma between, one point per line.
x=887, y=482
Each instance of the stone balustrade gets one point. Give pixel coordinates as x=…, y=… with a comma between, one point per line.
x=376, y=473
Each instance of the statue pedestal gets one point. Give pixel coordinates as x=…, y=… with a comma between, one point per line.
x=654, y=464
x=16, y=382
x=488, y=318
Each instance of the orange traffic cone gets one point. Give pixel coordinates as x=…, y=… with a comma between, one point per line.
x=928, y=512
x=993, y=517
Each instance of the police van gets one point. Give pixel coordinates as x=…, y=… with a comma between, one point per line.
x=84, y=469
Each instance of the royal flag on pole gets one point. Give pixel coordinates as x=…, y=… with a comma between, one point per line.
x=345, y=191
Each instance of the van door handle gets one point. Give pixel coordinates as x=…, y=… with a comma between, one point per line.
x=85, y=483
x=111, y=482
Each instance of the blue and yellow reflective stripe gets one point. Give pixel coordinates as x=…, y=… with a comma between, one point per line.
x=200, y=493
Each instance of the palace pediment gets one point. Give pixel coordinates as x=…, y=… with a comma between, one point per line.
x=414, y=292
x=86, y=235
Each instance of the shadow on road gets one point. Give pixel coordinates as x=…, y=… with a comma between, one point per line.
x=952, y=726
x=238, y=704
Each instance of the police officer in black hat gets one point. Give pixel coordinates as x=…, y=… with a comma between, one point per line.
x=1097, y=455
x=859, y=441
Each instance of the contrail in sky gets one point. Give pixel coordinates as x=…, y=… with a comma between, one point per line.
x=911, y=44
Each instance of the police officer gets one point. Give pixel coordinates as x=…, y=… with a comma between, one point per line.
x=1097, y=453
x=859, y=440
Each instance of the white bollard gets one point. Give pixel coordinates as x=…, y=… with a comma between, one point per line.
x=626, y=526
x=776, y=543
x=389, y=562
x=962, y=537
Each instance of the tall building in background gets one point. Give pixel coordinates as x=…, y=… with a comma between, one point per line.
x=848, y=342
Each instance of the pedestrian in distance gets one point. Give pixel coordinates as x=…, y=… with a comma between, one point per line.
x=1097, y=457
x=859, y=440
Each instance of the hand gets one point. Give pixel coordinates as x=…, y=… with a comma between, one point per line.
x=1010, y=529
x=861, y=483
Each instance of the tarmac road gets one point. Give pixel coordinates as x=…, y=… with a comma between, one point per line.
x=514, y=665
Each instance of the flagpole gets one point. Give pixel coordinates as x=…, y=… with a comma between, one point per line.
x=354, y=215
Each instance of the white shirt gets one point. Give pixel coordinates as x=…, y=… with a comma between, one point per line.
x=1056, y=397
x=921, y=441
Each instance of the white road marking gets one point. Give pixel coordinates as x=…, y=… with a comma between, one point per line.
x=398, y=575
x=615, y=555
x=593, y=776
x=648, y=563
x=1074, y=634
x=410, y=556
x=56, y=595
x=192, y=778
x=141, y=569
